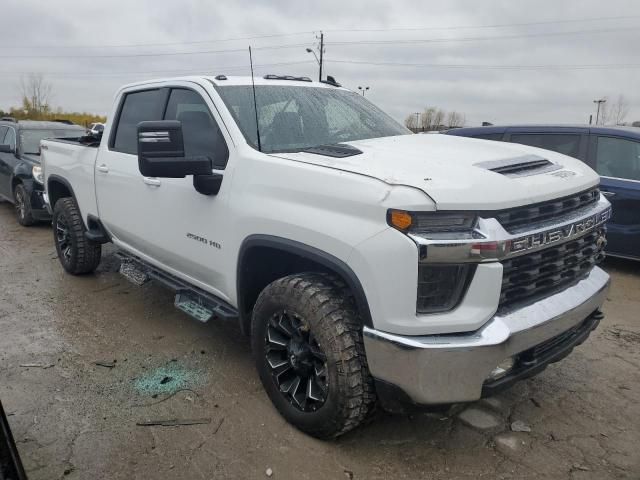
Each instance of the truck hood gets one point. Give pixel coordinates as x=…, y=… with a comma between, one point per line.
x=458, y=172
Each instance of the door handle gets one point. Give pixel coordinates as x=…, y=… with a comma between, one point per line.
x=103, y=168
x=151, y=181
x=608, y=194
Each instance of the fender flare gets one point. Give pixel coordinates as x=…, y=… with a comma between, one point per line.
x=316, y=255
x=62, y=180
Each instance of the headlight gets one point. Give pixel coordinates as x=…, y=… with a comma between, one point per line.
x=431, y=222
x=38, y=174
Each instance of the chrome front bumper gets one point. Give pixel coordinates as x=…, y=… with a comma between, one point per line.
x=441, y=369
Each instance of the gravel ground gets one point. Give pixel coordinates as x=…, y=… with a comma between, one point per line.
x=83, y=360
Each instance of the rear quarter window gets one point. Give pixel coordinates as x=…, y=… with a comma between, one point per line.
x=136, y=107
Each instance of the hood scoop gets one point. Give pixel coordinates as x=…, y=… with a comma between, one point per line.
x=520, y=166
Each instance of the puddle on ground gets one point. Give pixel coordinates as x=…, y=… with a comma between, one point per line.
x=168, y=379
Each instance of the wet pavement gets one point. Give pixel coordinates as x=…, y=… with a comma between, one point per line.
x=84, y=361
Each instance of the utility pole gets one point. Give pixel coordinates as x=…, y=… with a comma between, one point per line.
x=417, y=114
x=321, y=53
x=590, y=119
x=363, y=90
x=599, y=102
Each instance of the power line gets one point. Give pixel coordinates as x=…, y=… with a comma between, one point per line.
x=192, y=71
x=169, y=44
x=471, y=27
x=162, y=54
x=491, y=67
x=343, y=43
x=336, y=30
x=475, y=39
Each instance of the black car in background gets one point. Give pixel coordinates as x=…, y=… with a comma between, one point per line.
x=20, y=173
x=613, y=152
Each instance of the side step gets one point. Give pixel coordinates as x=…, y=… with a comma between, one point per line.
x=195, y=302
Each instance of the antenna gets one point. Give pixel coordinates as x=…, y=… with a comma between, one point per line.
x=255, y=105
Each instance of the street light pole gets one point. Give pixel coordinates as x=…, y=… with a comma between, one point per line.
x=319, y=60
x=599, y=102
x=363, y=90
x=417, y=114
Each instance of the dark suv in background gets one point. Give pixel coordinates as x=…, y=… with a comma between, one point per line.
x=20, y=172
x=614, y=152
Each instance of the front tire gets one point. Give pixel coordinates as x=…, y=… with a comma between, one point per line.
x=76, y=253
x=23, y=206
x=308, y=348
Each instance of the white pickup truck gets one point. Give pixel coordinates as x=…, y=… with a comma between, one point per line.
x=368, y=265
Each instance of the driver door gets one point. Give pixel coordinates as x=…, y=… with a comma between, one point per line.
x=166, y=220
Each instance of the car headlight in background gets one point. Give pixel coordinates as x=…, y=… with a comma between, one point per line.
x=431, y=222
x=38, y=174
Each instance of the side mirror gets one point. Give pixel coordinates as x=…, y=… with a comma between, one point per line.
x=4, y=148
x=161, y=152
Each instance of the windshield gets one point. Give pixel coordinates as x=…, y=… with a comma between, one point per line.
x=30, y=139
x=297, y=118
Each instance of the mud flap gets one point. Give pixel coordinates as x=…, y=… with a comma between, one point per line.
x=10, y=464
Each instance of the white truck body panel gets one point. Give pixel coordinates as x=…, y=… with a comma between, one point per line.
x=449, y=173
x=75, y=164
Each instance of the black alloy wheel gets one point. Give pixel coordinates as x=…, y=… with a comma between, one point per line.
x=298, y=364
x=63, y=238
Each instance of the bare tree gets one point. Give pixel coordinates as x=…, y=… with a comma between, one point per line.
x=434, y=118
x=619, y=110
x=455, y=119
x=412, y=122
x=36, y=94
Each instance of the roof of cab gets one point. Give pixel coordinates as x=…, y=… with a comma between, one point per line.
x=223, y=80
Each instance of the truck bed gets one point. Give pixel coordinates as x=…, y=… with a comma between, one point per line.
x=72, y=161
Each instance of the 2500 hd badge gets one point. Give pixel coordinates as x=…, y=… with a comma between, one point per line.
x=200, y=239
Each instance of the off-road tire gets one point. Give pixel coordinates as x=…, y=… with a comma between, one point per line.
x=22, y=202
x=325, y=305
x=76, y=253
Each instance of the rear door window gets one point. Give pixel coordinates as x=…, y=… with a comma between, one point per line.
x=200, y=132
x=137, y=107
x=618, y=158
x=568, y=144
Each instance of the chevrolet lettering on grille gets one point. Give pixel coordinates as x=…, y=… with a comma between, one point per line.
x=566, y=232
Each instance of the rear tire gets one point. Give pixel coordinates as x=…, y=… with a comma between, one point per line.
x=308, y=348
x=23, y=206
x=76, y=253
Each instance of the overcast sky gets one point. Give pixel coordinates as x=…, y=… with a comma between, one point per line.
x=87, y=49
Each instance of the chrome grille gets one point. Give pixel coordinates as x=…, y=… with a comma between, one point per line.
x=550, y=270
x=514, y=218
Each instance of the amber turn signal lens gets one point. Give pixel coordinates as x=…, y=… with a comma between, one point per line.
x=400, y=219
